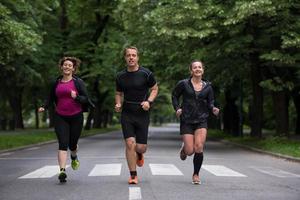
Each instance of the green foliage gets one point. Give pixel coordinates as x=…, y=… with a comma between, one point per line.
x=277, y=84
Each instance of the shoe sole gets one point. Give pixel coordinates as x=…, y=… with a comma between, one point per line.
x=62, y=178
x=196, y=182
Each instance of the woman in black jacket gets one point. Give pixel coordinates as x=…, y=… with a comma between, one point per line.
x=197, y=101
x=70, y=97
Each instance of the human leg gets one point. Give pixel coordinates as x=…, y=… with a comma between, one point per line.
x=62, y=128
x=187, y=148
x=200, y=138
x=76, y=124
x=142, y=126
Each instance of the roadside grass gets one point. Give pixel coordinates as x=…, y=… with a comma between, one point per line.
x=19, y=138
x=275, y=144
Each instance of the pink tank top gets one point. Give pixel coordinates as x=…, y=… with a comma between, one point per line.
x=66, y=105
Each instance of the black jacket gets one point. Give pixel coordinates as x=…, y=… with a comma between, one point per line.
x=195, y=108
x=82, y=96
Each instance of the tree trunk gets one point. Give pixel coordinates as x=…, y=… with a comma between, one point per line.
x=88, y=124
x=256, y=77
x=231, y=116
x=296, y=99
x=3, y=124
x=15, y=101
x=257, y=102
x=280, y=103
x=37, y=119
x=63, y=19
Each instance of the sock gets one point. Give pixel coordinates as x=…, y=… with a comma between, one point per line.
x=133, y=174
x=198, y=159
x=62, y=169
x=139, y=155
x=73, y=157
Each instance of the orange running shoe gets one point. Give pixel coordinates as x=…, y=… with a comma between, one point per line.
x=196, y=180
x=133, y=180
x=140, y=160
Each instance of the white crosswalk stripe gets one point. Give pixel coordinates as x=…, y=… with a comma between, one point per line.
x=275, y=172
x=45, y=172
x=164, y=169
x=106, y=170
x=135, y=193
x=220, y=170
x=114, y=169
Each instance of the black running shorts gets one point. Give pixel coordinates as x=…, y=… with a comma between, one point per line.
x=190, y=128
x=135, y=124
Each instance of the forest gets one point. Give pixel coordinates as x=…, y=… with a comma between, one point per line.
x=250, y=49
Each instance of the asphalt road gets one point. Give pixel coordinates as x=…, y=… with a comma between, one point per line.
x=228, y=172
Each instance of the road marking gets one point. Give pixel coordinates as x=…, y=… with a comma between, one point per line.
x=135, y=193
x=45, y=172
x=164, y=169
x=106, y=170
x=220, y=170
x=32, y=148
x=6, y=154
x=275, y=172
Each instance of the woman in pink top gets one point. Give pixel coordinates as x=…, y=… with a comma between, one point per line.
x=69, y=95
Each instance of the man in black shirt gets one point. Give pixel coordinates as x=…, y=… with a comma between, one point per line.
x=132, y=85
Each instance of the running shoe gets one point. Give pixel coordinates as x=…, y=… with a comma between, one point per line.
x=132, y=180
x=140, y=159
x=196, y=180
x=62, y=177
x=75, y=163
x=182, y=154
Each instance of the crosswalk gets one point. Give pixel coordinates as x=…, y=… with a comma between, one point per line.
x=157, y=169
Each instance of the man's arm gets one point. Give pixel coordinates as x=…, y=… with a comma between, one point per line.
x=118, y=101
x=153, y=94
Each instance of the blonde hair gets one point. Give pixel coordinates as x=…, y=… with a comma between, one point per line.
x=130, y=47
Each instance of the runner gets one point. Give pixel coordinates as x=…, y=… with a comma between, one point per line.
x=133, y=83
x=69, y=95
x=197, y=102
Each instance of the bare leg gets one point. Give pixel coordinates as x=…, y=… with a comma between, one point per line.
x=62, y=158
x=131, y=153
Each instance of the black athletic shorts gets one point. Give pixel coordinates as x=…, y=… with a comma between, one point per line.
x=135, y=124
x=186, y=128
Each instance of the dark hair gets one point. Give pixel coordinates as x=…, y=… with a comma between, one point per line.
x=76, y=62
x=130, y=47
x=190, y=66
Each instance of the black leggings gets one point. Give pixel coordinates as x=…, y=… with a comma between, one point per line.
x=68, y=130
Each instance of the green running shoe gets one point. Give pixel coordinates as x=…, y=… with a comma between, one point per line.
x=75, y=164
x=62, y=177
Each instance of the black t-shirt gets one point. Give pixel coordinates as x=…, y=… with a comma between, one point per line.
x=135, y=85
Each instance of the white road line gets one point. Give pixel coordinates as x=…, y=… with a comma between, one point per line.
x=6, y=154
x=44, y=172
x=33, y=148
x=220, y=170
x=164, y=169
x=275, y=172
x=106, y=170
x=135, y=193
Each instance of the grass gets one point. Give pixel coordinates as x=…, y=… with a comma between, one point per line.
x=19, y=138
x=275, y=144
